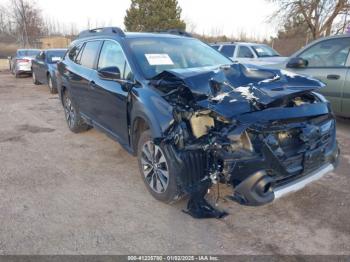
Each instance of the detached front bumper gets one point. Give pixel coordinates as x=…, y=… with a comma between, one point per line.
x=303, y=181
x=261, y=188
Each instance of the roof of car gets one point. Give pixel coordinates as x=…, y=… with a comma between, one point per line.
x=113, y=32
x=336, y=36
x=150, y=35
x=235, y=43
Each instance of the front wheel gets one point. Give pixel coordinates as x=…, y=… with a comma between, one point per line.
x=75, y=122
x=157, y=170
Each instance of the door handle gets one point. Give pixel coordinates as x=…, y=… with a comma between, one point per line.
x=333, y=77
x=92, y=84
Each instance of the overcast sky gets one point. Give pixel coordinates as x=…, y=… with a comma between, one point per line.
x=229, y=17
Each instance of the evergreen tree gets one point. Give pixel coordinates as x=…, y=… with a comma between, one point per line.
x=153, y=15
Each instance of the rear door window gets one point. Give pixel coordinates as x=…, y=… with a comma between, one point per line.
x=89, y=54
x=228, y=50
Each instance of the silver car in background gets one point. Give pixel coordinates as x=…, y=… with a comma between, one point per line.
x=249, y=53
x=22, y=62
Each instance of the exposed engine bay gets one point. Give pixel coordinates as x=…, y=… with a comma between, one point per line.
x=252, y=128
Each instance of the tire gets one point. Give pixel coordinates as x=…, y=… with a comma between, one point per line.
x=164, y=190
x=35, y=81
x=75, y=122
x=53, y=90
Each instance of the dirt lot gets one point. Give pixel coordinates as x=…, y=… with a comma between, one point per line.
x=65, y=193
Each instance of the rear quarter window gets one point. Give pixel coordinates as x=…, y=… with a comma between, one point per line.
x=74, y=51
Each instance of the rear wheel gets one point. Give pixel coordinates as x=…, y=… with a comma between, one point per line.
x=35, y=80
x=74, y=121
x=157, y=170
x=53, y=90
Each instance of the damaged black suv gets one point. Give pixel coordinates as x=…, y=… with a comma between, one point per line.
x=194, y=118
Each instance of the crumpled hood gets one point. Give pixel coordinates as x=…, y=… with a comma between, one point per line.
x=236, y=89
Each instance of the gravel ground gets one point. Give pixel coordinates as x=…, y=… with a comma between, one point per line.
x=65, y=193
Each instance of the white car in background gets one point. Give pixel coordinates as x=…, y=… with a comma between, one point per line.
x=21, y=62
x=249, y=53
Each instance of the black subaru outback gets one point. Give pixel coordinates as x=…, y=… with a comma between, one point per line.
x=193, y=118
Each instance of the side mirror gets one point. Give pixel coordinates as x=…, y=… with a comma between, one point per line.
x=109, y=73
x=297, y=62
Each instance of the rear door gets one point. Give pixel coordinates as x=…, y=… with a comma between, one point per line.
x=80, y=72
x=40, y=67
x=35, y=66
x=327, y=61
x=109, y=98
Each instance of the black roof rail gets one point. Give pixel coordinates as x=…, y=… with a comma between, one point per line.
x=176, y=32
x=102, y=31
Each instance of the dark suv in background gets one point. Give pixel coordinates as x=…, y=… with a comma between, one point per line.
x=44, y=68
x=193, y=118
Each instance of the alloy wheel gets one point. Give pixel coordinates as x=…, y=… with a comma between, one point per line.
x=50, y=83
x=69, y=111
x=155, y=167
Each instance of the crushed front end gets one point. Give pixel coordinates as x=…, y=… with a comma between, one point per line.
x=263, y=132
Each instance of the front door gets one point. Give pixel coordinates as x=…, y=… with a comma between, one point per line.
x=345, y=103
x=327, y=61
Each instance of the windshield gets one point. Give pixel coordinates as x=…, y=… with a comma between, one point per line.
x=155, y=55
x=264, y=51
x=30, y=53
x=55, y=56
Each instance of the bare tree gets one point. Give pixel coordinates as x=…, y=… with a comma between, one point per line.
x=27, y=21
x=191, y=26
x=321, y=16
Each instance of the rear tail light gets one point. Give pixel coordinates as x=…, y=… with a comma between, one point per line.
x=23, y=60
